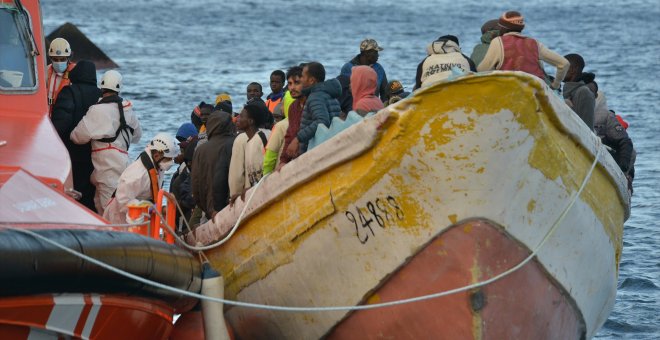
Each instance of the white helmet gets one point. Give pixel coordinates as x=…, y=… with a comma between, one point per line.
x=164, y=142
x=59, y=47
x=111, y=80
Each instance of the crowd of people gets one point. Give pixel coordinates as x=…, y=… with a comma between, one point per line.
x=221, y=154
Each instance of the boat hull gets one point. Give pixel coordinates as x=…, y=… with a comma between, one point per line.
x=332, y=226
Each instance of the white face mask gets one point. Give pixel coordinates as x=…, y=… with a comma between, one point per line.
x=166, y=165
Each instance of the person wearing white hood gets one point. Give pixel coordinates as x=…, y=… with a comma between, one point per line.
x=443, y=55
x=143, y=178
x=111, y=126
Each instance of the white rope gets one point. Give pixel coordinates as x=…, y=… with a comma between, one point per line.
x=125, y=225
x=218, y=243
x=332, y=308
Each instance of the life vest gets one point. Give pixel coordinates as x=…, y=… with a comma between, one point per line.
x=521, y=54
x=123, y=126
x=153, y=174
x=443, y=56
x=52, y=77
x=271, y=104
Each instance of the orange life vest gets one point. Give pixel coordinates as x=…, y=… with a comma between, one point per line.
x=521, y=54
x=153, y=174
x=271, y=104
x=64, y=82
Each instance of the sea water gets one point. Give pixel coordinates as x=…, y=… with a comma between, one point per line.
x=174, y=54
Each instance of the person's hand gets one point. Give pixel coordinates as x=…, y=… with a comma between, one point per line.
x=630, y=183
x=292, y=149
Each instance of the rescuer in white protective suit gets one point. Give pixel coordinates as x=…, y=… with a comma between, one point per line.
x=111, y=126
x=143, y=179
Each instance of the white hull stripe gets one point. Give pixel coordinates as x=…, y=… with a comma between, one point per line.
x=91, y=318
x=65, y=314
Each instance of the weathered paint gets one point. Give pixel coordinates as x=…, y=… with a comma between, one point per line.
x=481, y=146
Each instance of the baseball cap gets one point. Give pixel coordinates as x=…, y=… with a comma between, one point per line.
x=369, y=44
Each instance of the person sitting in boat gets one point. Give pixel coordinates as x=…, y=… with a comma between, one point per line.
x=59, y=69
x=443, y=55
x=321, y=105
x=489, y=31
x=142, y=179
x=512, y=51
x=368, y=56
x=576, y=93
x=211, y=163
x=72, y=104
x=294, y=78
x=111, y=126
x=247, y=154
x=223, y=103
x=363, y=84
x=277, y=90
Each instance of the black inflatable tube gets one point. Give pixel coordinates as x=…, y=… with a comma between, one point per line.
x=30, y=266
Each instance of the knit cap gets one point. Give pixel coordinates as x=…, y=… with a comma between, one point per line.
x=512, y=20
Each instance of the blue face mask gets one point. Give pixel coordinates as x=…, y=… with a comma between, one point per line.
x=60, y=67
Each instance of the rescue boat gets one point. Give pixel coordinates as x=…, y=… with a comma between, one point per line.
x=46, y=292
x=480, y=207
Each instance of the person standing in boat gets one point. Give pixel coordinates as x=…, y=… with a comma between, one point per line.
x=111, y=126
x=363, y=84
x=321, y=105
x=512, y=51
x=443, y=55
x=211, y=161
x=489, y=31
x=142, y=179
x=69, y=109
x=576, y=93
x=277, y=90
x=247, y=154
x=294, y=78
x=59, y=69
x=368, y=56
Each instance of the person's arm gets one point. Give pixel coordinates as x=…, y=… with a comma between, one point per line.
x=554, y=59
x=584, y=103
x=617, y=138
x=195, y=185
x=134, y=123
x=237, y=167
x=221, y=178
x=384, y=88
x=418, y=75
x=473, y=68
x=130, y=187
x=493, y=58
x=82, y=134
x=62, y=116
x=320, y=115
x=186, y=200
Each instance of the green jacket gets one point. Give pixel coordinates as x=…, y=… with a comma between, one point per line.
x=479, y=51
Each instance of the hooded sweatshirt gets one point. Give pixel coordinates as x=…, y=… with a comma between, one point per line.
x=443, y=55
x=581, y=99
x=364, y=81
x=210, y=157
x=480, y=50
x=321, y=106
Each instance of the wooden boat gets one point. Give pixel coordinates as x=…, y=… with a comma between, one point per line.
x=486, y=181
x=44, y=291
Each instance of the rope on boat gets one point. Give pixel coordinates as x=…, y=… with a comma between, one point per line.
x=329, y=308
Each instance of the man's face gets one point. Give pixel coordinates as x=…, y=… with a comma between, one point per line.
x=276, y=83
x=295, y=86
x=253, y=91
x=58, y=59
x=306, y=79
x=371, y=56
x=243, y=121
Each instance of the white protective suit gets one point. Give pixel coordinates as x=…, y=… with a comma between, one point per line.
x=134, y=184
x=109, y=159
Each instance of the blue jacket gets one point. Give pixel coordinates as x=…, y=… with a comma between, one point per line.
x=321, y=106
x=382, y=90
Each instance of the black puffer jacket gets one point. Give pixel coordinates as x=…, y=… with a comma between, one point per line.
x=72, y=104
x=321, y=106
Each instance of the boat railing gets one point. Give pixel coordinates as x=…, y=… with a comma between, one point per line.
x=154, y=223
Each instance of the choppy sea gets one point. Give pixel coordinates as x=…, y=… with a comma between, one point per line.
x=174, y=54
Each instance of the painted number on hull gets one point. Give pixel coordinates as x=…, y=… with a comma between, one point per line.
x=381, y=213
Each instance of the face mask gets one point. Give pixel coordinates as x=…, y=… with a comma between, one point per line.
x=60, y=67
x=166, y=165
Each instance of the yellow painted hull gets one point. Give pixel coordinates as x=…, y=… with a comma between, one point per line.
x=334, y=224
